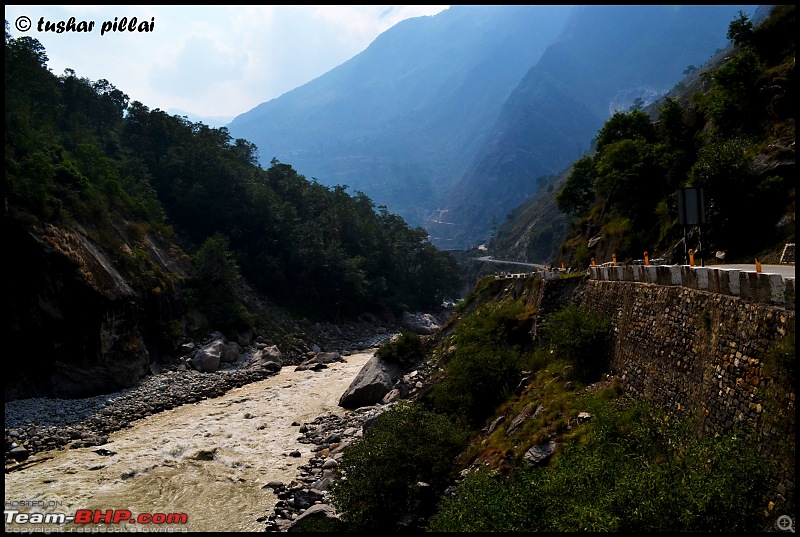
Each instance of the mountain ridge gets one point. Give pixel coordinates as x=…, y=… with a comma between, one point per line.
x=695, y=124
x=603, y=53
x=413, y=124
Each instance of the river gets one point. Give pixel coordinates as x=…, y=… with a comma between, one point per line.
x=209, y=460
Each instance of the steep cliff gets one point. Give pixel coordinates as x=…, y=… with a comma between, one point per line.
x=82, y=321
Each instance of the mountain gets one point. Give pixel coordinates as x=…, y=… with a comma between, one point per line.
x=401, y=120
x=448, y=120
x=605, y=59
x=213, y=122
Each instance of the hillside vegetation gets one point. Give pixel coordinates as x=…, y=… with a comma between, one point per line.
x=78, y=149
x=727, y=129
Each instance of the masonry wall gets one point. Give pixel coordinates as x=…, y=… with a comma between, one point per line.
x=705, y=352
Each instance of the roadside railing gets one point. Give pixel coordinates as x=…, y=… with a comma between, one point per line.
x=760, y=287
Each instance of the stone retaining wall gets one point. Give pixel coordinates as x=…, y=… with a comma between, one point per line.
x=710, y=353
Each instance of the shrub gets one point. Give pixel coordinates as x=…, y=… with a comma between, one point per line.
x=380, y=471
x=486, y=364
x=579, y=334
x=582, y=257
x=215, y=285
x=485, y=501
x=406, y=350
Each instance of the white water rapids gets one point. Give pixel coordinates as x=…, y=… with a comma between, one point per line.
x=209, y=460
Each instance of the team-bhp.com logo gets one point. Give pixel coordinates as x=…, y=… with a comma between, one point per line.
x=95, y=516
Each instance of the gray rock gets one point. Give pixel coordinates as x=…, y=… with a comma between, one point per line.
x=540, y=452
x=321, y=510
x=208, y=357
x=303, y=499
x=18, y=453
x=372, y=383
x=269, y=358
x=422, y=324
x=230, y=352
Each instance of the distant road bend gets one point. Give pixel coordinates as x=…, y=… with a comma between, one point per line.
x=490, y=259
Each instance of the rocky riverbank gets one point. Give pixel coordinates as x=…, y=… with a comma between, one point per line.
x=39, y=424
x=42, y=424
x=308, y=493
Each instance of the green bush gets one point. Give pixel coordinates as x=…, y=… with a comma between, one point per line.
x=476, y=382
x=732, y=104
x=380, y=471
x=406, y=350
x=578, y=334
x=583, y=258
x=485, y=366
x=215, y=285
x=485, y=501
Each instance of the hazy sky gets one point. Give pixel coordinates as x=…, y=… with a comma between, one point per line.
x=215, y=61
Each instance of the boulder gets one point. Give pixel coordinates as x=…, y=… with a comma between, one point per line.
x=317, y=511
x=269, y=358
x=540, y=452
x=207, y=357
x=422, y=324
x=230, y=352
x=372, y=383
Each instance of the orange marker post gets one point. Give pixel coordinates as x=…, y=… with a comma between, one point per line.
x=593, y=263
x=691, y=257
x=614, y=258
x=646, y=259
x=758, y=266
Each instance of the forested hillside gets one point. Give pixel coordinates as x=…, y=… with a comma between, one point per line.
x=177, y=216
x=79, y=149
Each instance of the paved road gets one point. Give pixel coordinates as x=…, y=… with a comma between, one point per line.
x=786, y=271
